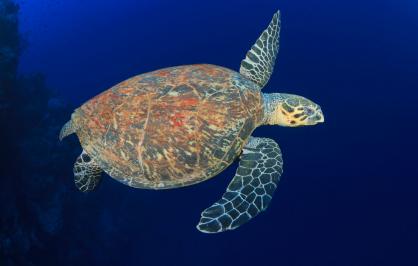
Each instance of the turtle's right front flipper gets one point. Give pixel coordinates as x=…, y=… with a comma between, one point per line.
x=250, y=191
x=87, y=174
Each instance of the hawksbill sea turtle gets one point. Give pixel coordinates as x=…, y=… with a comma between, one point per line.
x=182, y=125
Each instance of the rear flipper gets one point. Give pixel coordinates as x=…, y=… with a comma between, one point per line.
x=87, y=174
x=67, y=129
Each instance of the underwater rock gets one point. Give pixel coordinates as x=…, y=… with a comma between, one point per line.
x=9, y=49
x=32, y=195
x=41, y=222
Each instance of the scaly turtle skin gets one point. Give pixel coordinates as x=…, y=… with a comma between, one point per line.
x=171, y=127
x=182, y=125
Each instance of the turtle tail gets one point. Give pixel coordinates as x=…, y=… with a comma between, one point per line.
x=67, y=129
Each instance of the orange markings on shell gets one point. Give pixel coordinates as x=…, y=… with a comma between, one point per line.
x=189, y=102
x=177, y=119
x=126, y=90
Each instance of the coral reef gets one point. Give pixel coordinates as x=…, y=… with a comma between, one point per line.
x=9, y=48
x=31, y=197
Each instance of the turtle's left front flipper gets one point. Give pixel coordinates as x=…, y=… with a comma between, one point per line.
x=250, y=191
x=259, y=62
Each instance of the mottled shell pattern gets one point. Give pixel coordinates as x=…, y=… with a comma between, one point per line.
x=172, y=127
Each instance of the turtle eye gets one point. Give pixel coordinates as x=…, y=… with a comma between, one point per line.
x=309, y=111
x=292, y=102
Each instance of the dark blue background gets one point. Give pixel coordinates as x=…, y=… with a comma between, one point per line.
x=349, y=193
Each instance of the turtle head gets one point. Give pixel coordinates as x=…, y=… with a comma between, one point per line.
x=291, y=110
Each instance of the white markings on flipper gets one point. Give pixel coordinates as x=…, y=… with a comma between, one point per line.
x=87, y=174
x=250, y=191
x=259, y=62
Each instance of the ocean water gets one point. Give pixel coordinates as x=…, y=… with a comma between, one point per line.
x=349, y=191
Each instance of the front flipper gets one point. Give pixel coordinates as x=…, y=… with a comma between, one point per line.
x=250, y=191
x=87, y=174
x=259, y=61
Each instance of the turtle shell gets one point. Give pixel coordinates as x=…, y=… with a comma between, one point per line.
x=171, y=127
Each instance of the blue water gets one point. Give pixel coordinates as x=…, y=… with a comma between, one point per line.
x=349, y=192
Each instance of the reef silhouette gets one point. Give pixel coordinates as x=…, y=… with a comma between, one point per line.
x=33, y=190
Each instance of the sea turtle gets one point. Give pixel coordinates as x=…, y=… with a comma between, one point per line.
x=182, y=125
